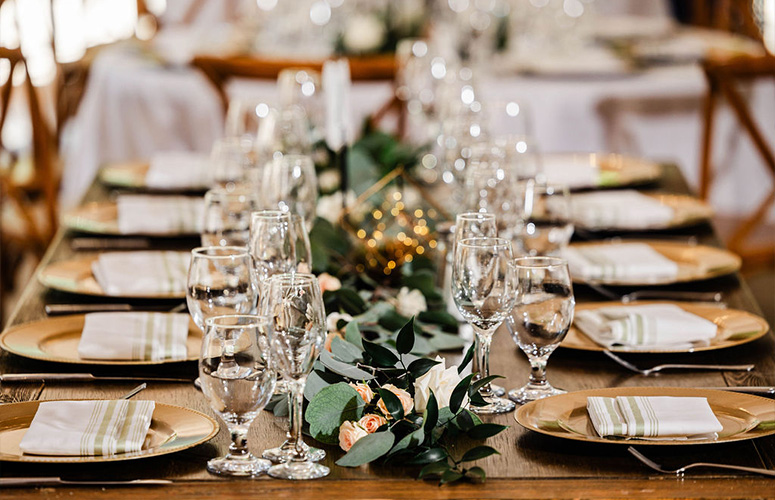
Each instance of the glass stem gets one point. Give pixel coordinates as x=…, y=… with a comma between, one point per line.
x=238, y=449
x=482, y=343
x=538, y=371
x=297, y=405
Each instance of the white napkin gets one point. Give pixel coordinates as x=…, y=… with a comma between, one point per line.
x=574, y=173
x=647, y=326
x=88, y=427
x=620, y=261
x=179, y=170
x=134, y=336
x=142, y=273
x=170, y=215
x=653, y=416
x=626, y=209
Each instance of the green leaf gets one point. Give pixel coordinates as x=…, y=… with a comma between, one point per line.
x=343, y=369
x=392, y=321
x=428, y=456
x=367, y=449
x=434, y=469
x=423, y=280
x=317, y=381
x=446, y=342
x=464, y=422
x=466, y=359
x=442, y=318
x=380, y=356
x=421, y=366
x=484, y=431
x=478, y=453
x=350, y=301
x=392, y=403
x=476, y=474
x=459, y=393
x=405, y=338
x=414, y=438
x=352, y=334
x=450, y=476
x=329, y=408
x=345, y=351
x=476, y=399
x=431, y=413
x=482, y=382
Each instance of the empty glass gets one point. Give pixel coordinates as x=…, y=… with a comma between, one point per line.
x=541, y=317
x=237, y=378
x=278, y=243
x=483, y=289
x=231, y=158
x=289, y=183
x=227, y=216
x=545, y=226
x=295, y=303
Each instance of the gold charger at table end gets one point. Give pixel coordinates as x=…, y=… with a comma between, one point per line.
x=687, y=211
x=125, y=174
x=173, y=429
x=695, y=262
x=614, y=170
x=735, y=328
x=75, y=276
x=743, y=416
x=56, y=340
x=102, y=218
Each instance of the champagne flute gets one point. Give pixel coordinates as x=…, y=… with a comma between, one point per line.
x=295, y=303
x=227, y=216
x=482, y=286
x=541, y=317
x=237, y=379
x=271, y=245
x=545, y=226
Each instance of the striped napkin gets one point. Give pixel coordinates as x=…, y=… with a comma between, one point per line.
x=134, y=336
x=620, y=261
x=163, y=215
x=72, y=428
x=179, y=170
x=574, y=173
x=626, y=209
x=653, y=416
x=647, y=326
x=142, y=273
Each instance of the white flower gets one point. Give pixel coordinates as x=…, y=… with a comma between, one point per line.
x=329, y=180
x=363, y=33
x=410, y=303
x=330, y=207
x=442, y=381
x=333, y=318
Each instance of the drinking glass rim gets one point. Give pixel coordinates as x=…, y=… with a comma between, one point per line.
x=484, y=242
x=475, y=215
x=236, y=191
x=539, y=262
x=293, y=276
x=258, y=319
x=236, y=251
x=269, y=214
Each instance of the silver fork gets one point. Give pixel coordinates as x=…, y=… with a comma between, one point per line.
x=709, y=297
x=680, y=472
x=659, y=368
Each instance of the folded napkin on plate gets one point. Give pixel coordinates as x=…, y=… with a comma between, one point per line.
x=653, y=416
x=142, y=273
x=574, y=173
x=620, y=261
x=148, y=214
x=134, y=336
x=619, y=209
x=179, y=170
x=657, y=325
x=88, y=427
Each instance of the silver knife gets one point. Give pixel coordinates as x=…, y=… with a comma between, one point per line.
x=750, y=389
x=85, y=243
x=42, y=481
x=55, y=309
x=82, y=377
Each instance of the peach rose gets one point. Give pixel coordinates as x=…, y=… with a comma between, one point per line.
x=403, y=396
x=330, y=339
x=329, y=283
x=372, y=422
x=364, y=390
x=349, y=434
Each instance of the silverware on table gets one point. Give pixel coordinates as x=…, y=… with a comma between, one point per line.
x=134, y=391
x=716, y=298
x=81, y=377
x=45, y=481
x=748, y=389
x=87, y=243
x=658, y=368
x=56, y=309
x=680, y=471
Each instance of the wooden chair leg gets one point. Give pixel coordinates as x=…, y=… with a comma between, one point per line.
x=706, y=172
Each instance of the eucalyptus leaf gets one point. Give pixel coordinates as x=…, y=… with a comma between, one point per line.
x=442, y=318
x=330, y=408
x=345, y=351
x=446, y=342
x=392, y=321
x=414, y=438
x=350, y=302
x=343, y=369
x=318, y=380
x=367, y=449
x=352, y=334
x=373, y=314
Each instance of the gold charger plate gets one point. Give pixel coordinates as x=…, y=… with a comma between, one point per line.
x=687, y=211
x=735, y=327
x=56, y=339
x=695, y=262
x=75, y=276
x=173, y=429
x=614, y=170
x=743, y=416
x=133, y=175
x=102, y=218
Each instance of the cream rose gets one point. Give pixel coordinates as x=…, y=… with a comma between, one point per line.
x=329, y=283
x=333, y=319
x=372, y=422
x=442, y=381
x=410, y=303
x=403, y=396
x=364, y=390
x=363, y=33
x=349, y=434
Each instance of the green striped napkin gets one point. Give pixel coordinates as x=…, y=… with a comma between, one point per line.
x=162, y=215
x=142, y=273
x=134, y=336
x=619, y=261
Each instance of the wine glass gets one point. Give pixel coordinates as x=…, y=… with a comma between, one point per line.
x=295, y=303
x=219, y=282
x=545, y=226
x=278, y=243
x=227, y=216
x=541, y=317
x=231, y=158
x=289, y=183
x=483, y=289
x=237, y=379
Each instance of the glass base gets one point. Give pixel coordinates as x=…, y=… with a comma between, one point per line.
x=282, y=453
x=496, y=405
x=498, y=390
x=530, y=393
x=299, y=470
x=228, y=466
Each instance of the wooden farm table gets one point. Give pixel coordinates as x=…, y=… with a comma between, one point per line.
x=529, y=466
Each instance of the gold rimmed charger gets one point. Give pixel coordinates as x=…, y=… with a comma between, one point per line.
x=687, y=211
x=173, y=429
x=56, y=339
x=743, y=416
x=735, y=328
x=133, y=175
x=102, y=218
x=75, y=276
x=613, y=170
x=695, y=262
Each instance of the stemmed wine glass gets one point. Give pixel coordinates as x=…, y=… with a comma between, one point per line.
x=545, y=226
x=237, y=378
x=295, y=303
x=278, y=243
x=483, y=289
x=227, y=216
x=541, y=317
x=289, y=183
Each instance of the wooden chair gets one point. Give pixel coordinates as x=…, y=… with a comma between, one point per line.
x=722, y=76
x=735, y=16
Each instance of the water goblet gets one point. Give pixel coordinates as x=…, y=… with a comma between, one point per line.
x=227, y=216
x=545, y=226
x=289, y=183
x=237, y=379
x=541, y=317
